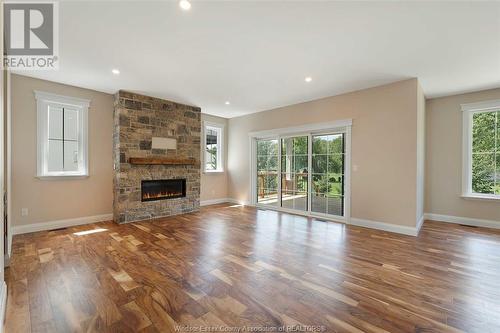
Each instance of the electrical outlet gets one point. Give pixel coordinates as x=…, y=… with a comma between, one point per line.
x=24, y=211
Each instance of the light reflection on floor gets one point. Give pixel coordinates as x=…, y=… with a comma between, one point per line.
x=88, y=232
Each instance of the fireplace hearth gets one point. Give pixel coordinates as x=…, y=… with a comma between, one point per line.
x=162, y=189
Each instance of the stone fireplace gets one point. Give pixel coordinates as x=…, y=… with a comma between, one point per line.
x=156, y=147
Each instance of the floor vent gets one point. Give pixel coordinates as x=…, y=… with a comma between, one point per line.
x=58, y=229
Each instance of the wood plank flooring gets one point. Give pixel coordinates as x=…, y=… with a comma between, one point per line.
x=232, y=266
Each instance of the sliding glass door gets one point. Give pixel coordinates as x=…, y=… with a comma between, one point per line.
x=304, y=173
x=327, y=192
x=267, y=172
x=294, y=172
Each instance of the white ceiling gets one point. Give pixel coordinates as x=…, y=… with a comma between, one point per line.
x=257, y=54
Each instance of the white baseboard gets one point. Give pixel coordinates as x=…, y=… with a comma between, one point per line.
x=42, y=226
x=214, y=201
x=9, y=242
x=399, y=229
x=240, y=202
x=223, y=200
x=420, y=223
x=6, y=260
x=3, y=305
x=463, y=220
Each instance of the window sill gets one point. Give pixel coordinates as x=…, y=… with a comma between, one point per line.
x=62, y=177
x=481, y=197
x=213, y=171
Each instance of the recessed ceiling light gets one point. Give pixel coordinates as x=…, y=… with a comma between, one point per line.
x=115, y=71
x=185, y=5
x=227, y=103
x=308, y=79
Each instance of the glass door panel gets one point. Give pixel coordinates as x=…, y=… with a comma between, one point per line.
x=327, y=177
x=294, y=172
x=267, y=172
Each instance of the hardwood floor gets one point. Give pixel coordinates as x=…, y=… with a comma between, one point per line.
x=237, y=266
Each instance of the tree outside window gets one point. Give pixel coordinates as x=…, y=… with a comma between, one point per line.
x=486, y=153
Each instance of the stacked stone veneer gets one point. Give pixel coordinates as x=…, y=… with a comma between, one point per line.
x=137, y=119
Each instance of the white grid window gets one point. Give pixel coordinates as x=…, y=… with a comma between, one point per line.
x=62, y=136
x=213, y=147
x=482, y=150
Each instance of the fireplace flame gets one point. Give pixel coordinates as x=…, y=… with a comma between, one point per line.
x=160, y=195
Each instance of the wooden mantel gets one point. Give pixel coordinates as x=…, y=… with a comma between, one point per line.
x=161, y=161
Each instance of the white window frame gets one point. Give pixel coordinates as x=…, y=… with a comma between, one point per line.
x=341, y=126
x=220, y=146
x=468, y=111
x=44, y=99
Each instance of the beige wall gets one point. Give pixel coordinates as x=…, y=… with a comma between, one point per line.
x=49, y=200
x=214, y=185
x=384, y=147
x=444, y=159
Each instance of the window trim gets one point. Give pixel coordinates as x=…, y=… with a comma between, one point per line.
x=220, y=144
x=43, y=99
x=468, y=111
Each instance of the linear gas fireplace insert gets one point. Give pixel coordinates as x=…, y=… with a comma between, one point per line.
x=162, y=189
